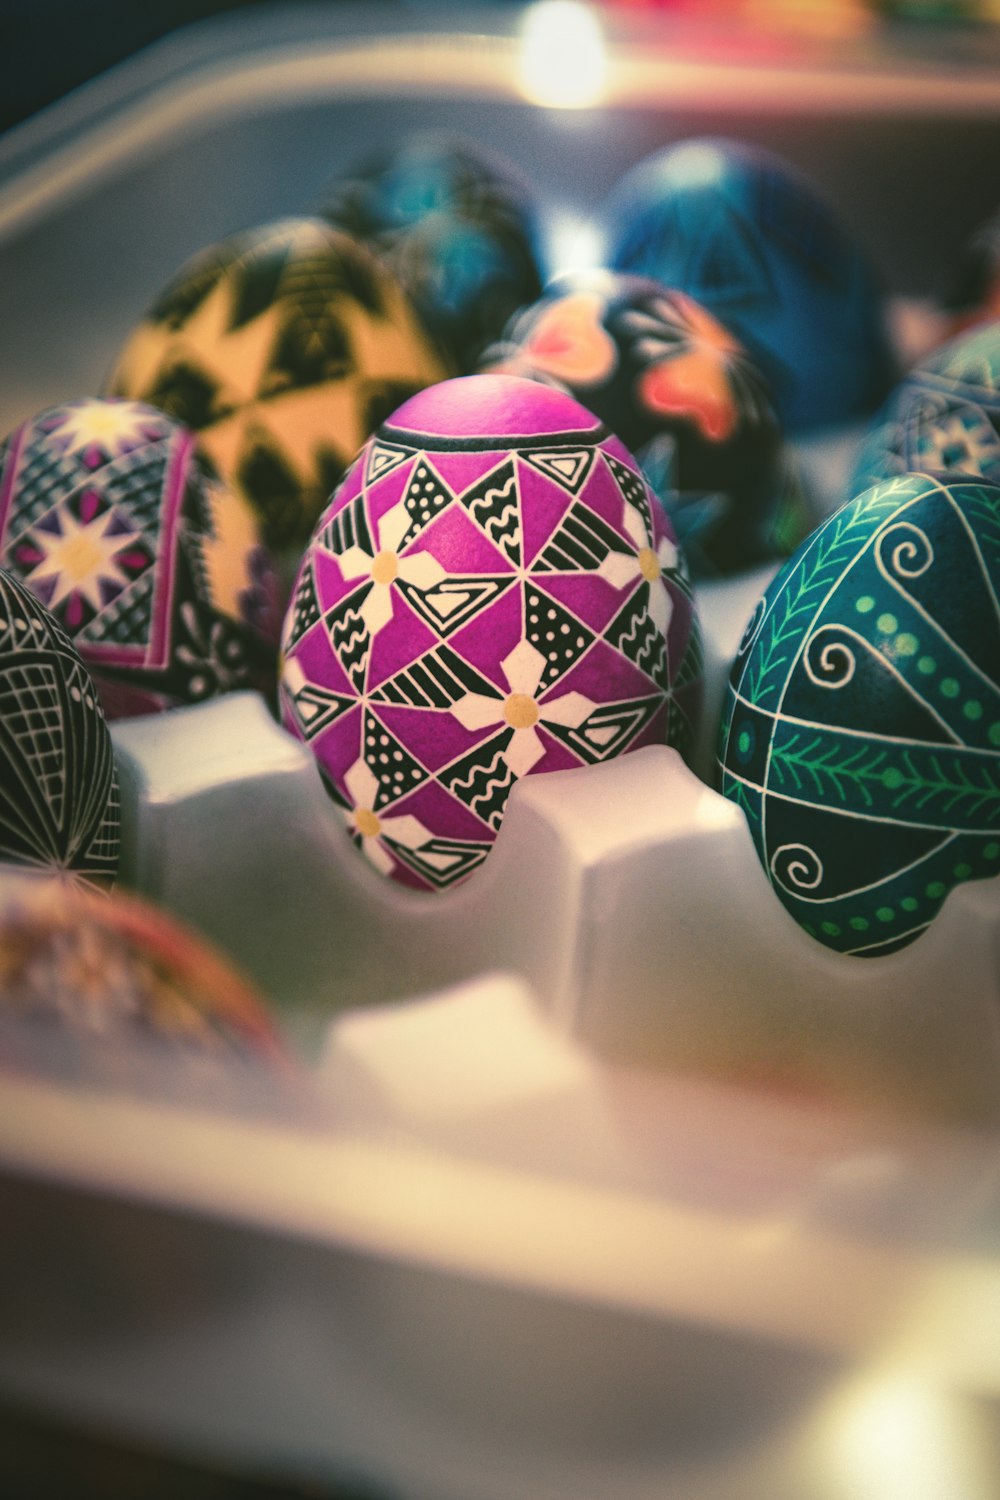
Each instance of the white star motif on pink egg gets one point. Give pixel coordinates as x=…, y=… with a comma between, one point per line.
x=523, y=668
x=371, y=827
x=417, y=568
x=622, y=568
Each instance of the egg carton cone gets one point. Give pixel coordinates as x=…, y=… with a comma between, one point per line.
x=598, y=1176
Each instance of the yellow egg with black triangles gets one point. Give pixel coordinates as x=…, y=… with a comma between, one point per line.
x=283, y=346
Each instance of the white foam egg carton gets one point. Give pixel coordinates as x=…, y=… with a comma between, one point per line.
x=600, y=1177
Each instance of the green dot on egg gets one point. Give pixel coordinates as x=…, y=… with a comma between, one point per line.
x=885, y=913
x=865, y=604
x=949, y=687
x=973, y=709
x=927, y=665
x=936, y=890
x=909, y=903
x=994, y=734
x=991, y=851
x=892, y=777
x=860, y=924
x=963, y=872
x=887, y=623
x=906, y=644
x=831, y=929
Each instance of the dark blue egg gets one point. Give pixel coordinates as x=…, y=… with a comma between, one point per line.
x=945, y=415
x=861, y=732
x=457, y=226
x=747, y=235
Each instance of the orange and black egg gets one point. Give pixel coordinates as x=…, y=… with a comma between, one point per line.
x=283, y=347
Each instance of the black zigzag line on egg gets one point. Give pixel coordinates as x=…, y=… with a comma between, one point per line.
x=349, y=636
x=494, y=504
x=482, y=780
x=633, y=633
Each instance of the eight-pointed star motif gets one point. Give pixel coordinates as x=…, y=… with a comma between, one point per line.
x=112, y=426
x=622, y=568
x=523, y=668
x=418, y=568
x=82, y=558
x=371, y=827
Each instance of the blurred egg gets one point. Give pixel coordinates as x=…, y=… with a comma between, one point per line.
x=746, y=234
x=58, y=786
x=117, y=970
x=456, y=225
x=944, y=416
x=861, y=734
x=680, y=392
x=283, y=347
x=492, y=591
x=110, y=515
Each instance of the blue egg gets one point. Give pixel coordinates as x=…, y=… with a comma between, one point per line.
x=457, y=226
x=747, y=235
x=945, y=415
x=861, y=731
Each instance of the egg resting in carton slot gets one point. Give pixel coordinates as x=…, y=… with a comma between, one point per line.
x=114, y=518
x=493, y=591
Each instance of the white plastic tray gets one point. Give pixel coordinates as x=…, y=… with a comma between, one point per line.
x=601, y=1178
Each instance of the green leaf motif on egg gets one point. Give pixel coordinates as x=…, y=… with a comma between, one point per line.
x=861, y=732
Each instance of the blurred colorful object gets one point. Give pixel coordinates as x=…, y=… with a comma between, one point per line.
x=110, y=514
x=115, y=969
x=944, y=417
x=744, y=233
x=283, y=347
x=58, y=786
x=456, y=226
x=680, y=392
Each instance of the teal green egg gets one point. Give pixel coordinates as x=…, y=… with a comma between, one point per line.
x=861, y=729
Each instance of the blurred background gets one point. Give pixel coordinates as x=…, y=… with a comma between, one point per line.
x=49, y=47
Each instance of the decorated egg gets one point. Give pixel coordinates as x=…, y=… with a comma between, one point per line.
x=58, y=786
x=493, y=591
x=283, y=347
x=861, y=734
x=747, y=235
x=680, y=392
x=456, y=225
x=944, y=416
x=153, y=567
x=116, y=969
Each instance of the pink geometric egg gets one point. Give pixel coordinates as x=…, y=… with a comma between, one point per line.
x=492, y=591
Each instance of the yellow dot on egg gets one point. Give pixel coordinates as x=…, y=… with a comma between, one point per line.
x=520, y=711
x=367, y=823
x=385, y=567
x=649, y=564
